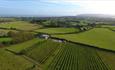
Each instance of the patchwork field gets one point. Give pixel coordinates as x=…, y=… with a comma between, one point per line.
x=51, y=55
x=21, y=25
x=58, y=30
x=99, y=37
x=41, y=54
x=65, y=56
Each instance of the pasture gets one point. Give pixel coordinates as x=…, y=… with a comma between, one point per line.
x=20, y=25
x=9, y=61
x=58, y=30
x=5, y=31
x=99, y=37
x=21, y=46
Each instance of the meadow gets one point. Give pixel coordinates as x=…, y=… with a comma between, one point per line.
x=3, y=32
x=58, y=30
x=20, y=25
x=99, y=37
x=10, y=61
x=17, y=48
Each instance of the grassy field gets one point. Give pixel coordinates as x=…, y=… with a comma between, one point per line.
x=109, y=26
x=99, y=37
x=9, y=61
x=58, y=30
x=21, y=25
x=19, y=47
x=4, y=31
x=5, y=39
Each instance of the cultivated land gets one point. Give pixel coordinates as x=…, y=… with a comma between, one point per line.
x=54, y=55
x=99, y=37
x=58, y=30
x=20, y=25
x=64, y=56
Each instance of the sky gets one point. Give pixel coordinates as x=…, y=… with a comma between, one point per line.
x=55, y=7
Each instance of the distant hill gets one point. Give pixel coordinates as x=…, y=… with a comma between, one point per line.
x=96, y=17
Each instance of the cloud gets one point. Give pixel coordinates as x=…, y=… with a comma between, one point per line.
x=89, y=6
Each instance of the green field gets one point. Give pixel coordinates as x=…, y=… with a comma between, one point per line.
x=64, y=56
x=9, y=61
x=99, y=37
x=4, y=32
x=5, y=39
x=21, y=25
x=19, y=47
x=42, y=51
x=112, y=27
x=58, y=30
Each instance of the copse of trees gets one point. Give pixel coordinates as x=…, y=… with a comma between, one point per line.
x=18, y=37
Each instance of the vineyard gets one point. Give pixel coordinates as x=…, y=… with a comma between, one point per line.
x=75, y=57
x=68, y=57
x=41, y=52
x=51, y=55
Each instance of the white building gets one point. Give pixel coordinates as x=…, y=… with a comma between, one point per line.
x=58, y=40
x=44, y=36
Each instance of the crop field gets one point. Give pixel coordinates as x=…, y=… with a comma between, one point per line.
x=49, y=54
x=19, y=47
x=9, y=61
x=5, y=40
x=58, y=30
x=21, y=25
x=108, y=57
x=75, y=57
x=64, y=56
x=42, y=51
x=99, y=37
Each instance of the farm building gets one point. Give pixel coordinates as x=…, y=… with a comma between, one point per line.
x=45, y=36
x=58, y=40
